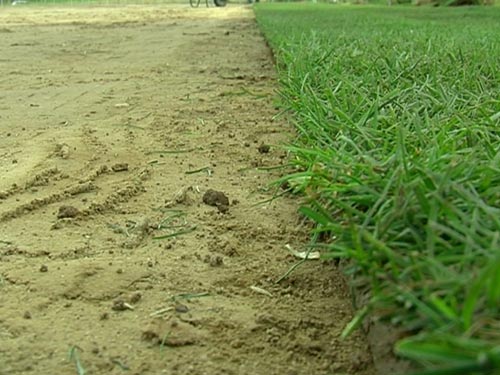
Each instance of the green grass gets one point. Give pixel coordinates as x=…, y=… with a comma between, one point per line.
x=397, y=156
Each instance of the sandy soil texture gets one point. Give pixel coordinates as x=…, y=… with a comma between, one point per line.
x=134, y=233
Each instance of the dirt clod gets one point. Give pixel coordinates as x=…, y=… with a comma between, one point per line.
x=264, y=149
x=214, y=260
x=170, y=333
x=181, y=309
x=104, y=316
x=120, y=167
x=62, y=150
x=44, y=268
x=217, y=199
x=67, y=212
x=135, y=297
x=121, y=305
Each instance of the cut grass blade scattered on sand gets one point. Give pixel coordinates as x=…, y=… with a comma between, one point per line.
x=179, y=151
x=176, y=223
x=188, y=296
x=176, y=234
x=73, y=356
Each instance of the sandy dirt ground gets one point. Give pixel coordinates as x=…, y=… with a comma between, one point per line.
x=135, y=236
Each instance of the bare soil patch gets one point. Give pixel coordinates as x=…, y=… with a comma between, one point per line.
x=130, y=229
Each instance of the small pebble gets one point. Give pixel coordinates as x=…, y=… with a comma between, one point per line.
x=120, y=167
x=181, y=309
x=119, y=305
x=135, y=297
x=67, y=212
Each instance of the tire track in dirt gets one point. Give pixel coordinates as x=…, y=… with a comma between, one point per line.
x=130, y=116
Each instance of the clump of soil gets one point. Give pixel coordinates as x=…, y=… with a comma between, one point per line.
x=62, y=150
x=217, y=199
x=120, y=167
x=173, y=333
x=67, y=212
x=264, y=149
